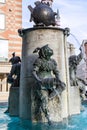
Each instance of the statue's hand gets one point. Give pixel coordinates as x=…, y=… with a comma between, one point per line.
x=10, y=79
x=36, y=77
x=39, y=81
x=61, y=84
x=54, y=87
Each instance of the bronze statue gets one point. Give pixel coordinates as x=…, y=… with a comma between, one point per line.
x=14, y=75
x=42, y=14
x=14, y=59
x=74, y=61
x=49, y=86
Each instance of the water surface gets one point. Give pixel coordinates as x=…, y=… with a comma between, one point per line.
x=76, y=122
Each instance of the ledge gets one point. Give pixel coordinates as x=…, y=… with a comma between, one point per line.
x=23, y=31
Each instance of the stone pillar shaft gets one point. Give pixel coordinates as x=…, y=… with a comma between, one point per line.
x=38, y=37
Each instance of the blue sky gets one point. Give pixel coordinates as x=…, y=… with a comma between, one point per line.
x=73, y=14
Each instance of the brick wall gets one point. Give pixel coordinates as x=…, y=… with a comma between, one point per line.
x=12, y=9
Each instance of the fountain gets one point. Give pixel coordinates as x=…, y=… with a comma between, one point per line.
x=45, y=94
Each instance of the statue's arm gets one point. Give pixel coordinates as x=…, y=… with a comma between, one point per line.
x=35, y=72
x=10, y=78
x=12, y=72
x=55, y=70
x=80, y=56
x=56, y=73
x=36, y=76
x=58, y=80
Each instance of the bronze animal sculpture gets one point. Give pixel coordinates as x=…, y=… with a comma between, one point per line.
x=42, y=14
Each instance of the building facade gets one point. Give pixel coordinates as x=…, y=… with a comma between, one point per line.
x=10, y=22
x=10, y=41
x=82, y=67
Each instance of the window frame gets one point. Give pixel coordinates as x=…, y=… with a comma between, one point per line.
x=3, y=25
x=2, y=1
x=6, y=50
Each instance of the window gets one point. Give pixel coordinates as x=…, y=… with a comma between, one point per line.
x=3, y=49
x=2, y=1
x=2, y=21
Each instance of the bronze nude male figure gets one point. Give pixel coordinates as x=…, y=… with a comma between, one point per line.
x=14, y=75
x=74, y=61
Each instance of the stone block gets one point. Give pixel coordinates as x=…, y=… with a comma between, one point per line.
x=54, y=108
x=14, y=101
x=74, y=101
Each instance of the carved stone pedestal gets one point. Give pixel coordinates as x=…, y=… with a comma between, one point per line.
x=38, y=37
x=14, y=101
x=54, y=109
x=74, y=100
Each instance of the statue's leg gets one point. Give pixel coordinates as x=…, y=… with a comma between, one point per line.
x=44, y=104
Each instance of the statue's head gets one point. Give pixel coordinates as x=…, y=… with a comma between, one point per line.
x=44, y=52
x=13, y=54
x=15, y=60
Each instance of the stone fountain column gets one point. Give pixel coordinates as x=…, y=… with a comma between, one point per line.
x=38, y=37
